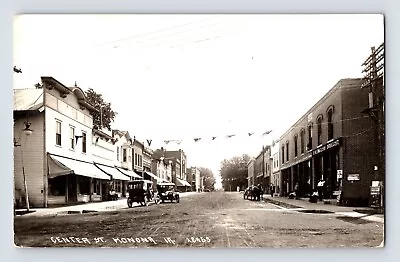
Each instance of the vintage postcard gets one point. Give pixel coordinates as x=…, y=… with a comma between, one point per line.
x=200, y=130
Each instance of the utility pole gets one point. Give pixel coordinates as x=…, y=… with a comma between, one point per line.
x=374, y=76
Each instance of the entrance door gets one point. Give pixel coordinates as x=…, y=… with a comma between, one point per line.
x=72, y=188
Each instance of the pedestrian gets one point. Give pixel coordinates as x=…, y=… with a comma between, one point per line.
x=271, y=190
x=296, y=190
x=320, y=188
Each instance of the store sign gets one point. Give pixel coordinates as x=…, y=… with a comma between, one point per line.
x=353, y=177
x=328, y=146
x=340, y=173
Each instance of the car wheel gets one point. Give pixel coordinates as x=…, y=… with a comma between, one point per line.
x=177, y=200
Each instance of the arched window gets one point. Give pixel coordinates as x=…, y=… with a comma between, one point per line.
x=309, y=144
x=330, y=124
x=302, y=133
x=295, y=145
x=287, y=150
x=319, y=130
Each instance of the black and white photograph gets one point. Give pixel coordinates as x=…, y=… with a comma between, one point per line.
x=199, y=130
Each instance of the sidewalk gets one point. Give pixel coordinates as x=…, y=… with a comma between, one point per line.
x=321, y=207
x=85, y=208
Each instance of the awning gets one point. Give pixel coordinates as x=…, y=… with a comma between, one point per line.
x=159, y=179
x=59, y=166
x=180, y=182
x=113, y=172
x=128, y=173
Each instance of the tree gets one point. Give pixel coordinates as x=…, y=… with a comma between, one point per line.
x=208, y=178
x=234, y=172
x=106, y=115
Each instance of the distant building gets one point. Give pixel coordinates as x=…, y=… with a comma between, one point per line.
x=250, y=170
x=275, y=164
x=179, y=167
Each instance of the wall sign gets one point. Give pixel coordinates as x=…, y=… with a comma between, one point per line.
x=325, y=147
x=339, y=173
x=353, y=177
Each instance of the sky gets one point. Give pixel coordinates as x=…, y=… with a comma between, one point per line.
x=180, y=77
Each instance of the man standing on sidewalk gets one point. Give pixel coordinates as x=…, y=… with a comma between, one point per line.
x=320, y=188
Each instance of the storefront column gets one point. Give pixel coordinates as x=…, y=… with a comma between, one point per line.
x=313, y=173
x=91, y=190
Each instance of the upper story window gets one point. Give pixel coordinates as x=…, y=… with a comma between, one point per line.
x=302, y=146
x=319, y=130
x=295, y=145
x=72, y=137
x=118, y=153
x=83, y=142
x=309, y=144
x=283, y=154
x=58, y=133
x=330, y=124
x=287, y=151
x=124, y=155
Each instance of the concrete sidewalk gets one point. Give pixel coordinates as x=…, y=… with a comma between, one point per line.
x=86, y=208
x=366, y=213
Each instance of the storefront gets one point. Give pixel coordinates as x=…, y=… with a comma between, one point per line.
x=326, y=165
x=71, y=181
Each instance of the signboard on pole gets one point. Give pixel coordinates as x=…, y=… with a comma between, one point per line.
x=339, y=173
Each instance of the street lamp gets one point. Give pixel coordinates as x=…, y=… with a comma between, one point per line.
x=27, y=131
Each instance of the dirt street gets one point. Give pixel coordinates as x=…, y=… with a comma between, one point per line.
x=216, y=219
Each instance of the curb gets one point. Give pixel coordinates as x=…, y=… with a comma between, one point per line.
x=280, y=203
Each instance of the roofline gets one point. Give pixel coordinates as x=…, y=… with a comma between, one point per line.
x=336, y=87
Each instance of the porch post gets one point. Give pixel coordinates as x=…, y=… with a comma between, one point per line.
x=91, y=190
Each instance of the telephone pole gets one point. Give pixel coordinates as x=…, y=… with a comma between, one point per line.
x=374, y=75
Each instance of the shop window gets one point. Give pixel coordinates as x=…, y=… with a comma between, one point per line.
x=83, y=142
x=57, y=186
x=58, y=133
x=118, y=153
x=309, y=144
x=330, y=124
x=84, y=185
x=295, y=145
x=302, y=146
x=319, y=130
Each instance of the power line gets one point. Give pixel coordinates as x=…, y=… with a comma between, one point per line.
x=154, y=32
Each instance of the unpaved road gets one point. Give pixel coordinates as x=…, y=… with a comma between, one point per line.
x=217, y=219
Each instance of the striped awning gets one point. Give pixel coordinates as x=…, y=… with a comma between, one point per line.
x=159, y=179
x=128, y=173
x=59, y=166
x=181, y=182
x=113, y=172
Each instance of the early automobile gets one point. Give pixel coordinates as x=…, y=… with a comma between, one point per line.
x=166, y=191
x=140, y=191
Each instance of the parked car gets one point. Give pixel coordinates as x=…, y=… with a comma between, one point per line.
x=140, y=191
x=166, y=191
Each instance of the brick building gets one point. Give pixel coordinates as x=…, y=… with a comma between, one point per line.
x=331, y=142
